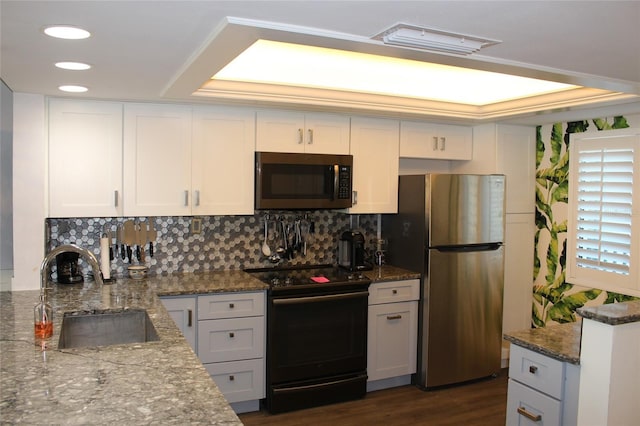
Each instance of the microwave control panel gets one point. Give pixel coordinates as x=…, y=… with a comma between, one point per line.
x=344, y=182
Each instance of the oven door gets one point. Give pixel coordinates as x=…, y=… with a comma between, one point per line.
x=303, y=181
x=317, y=336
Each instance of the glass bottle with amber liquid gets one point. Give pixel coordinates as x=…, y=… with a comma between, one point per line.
x=43, y=320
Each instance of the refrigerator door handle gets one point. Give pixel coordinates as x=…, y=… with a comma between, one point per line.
x=469, y=247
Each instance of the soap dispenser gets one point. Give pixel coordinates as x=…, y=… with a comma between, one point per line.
x=43, y=320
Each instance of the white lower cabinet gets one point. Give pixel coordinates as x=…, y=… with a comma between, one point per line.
x=542, y=390
x=392, y=333
x=183, y=312
x=231, y=345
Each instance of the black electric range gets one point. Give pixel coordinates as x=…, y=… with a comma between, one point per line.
x=306, y=279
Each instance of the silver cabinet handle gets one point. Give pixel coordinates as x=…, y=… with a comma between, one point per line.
x=300, y=136
x=197, y=198
x=444, y=141
x=394, y=317
x=189, y=318
x=115, y=195
x=533, y=417
x=435, y=143
x=354, y=197
x=186, y=198
x=310, y=140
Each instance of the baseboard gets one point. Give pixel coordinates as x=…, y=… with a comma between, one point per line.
x=246, y=406
x=391, y=382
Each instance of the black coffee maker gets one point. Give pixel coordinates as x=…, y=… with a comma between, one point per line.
x=351, y=252
x=67, y=268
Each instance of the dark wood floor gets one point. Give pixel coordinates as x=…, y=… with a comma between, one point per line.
x=482, y=403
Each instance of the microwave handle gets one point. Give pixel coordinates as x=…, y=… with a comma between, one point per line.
x=335, y=169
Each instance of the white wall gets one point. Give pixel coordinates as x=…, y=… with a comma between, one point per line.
x=29, y=197
x=6, y=186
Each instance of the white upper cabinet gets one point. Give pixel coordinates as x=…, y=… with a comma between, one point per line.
x=157, y=160
x=286, y=131
x=85, y=158
x=223, y=161
x=375, y=146
x=435, y=141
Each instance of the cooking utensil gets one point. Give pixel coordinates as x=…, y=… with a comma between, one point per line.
x=266, y=250
x=142, y=241
x=152, y=234
x=129, y=237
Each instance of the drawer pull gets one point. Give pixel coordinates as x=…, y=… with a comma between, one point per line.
x=394, y=317
x=533, y=369
x=231, y=378
x=189, y=318
x=530, y=416
x=232, y=335
x=394, y=291
x=231, y=306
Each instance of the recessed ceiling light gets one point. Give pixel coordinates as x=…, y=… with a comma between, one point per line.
x=73, y=89
x=73, y=66
x=287, y=64
x=67, y=32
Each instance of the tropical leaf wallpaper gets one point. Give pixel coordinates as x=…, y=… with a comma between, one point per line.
x=555, y=300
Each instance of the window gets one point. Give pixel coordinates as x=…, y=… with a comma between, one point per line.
x=603, y=243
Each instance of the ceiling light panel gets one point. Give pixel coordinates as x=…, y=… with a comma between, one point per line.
x=73, y=89
x=288, y=64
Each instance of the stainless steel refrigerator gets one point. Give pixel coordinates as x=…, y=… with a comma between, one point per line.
x=451, y=229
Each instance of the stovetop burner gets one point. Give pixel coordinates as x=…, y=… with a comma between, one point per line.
x=309, y=277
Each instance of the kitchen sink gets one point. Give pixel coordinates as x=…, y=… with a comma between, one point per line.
x=106, y=327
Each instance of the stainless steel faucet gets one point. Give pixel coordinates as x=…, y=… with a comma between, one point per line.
x=90, y=257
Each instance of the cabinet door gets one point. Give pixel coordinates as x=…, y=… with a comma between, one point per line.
x=280, y=131
x=223, y=161
x=85, y=159
x=374, y=146
x=157, y=160
x=392, y=340
x=183, y=312
x=326, y=134
x=436, y=141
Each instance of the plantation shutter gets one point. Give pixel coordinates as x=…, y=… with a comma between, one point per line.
x=605, y=197
x=603, y=244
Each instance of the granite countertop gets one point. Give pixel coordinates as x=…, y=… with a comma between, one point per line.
x=160, y=382
x=561, y=342
x=390, y=273
x=613, y=313
x=153, y=382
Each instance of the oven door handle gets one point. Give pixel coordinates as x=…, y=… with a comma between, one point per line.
x=323, y=298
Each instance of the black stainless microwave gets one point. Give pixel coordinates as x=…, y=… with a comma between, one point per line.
x=287, y=181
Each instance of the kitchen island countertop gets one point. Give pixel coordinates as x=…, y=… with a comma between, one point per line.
x=161, y=382
x=561, y=342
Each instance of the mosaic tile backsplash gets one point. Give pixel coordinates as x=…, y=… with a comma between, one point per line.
x=224, y=242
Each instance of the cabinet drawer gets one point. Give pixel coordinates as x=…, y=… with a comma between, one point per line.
x=524, y=405
x=537, y=371
x=394, y=291
x=231, y=339
x=230, y=305
x=239, y=380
